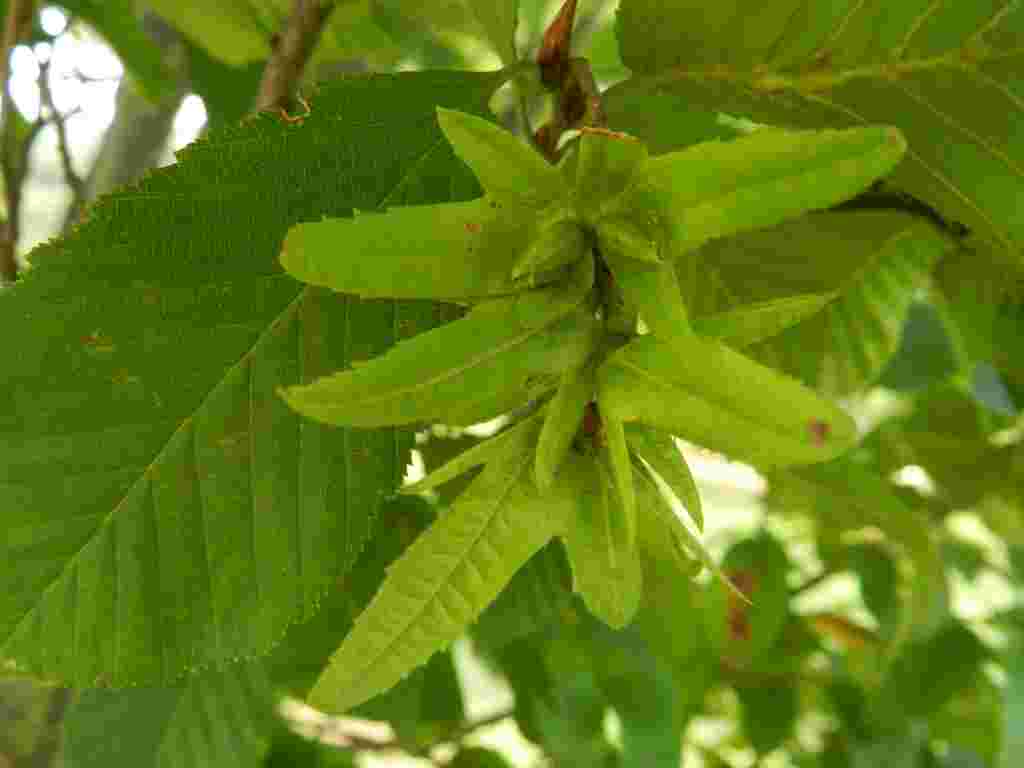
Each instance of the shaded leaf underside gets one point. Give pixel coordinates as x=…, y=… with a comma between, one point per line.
x=162, y=508
x=946, y=73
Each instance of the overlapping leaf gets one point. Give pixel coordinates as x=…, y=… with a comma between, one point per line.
x=874, y=262
x=218, y=717
x=444, y=580
x=947, y=73
x=844, y=496
x=728, y=403
x=195, y=516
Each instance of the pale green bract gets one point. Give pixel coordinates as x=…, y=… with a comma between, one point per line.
x=560, y=265
x=606, y=571
x=443, y=581
x=707, y=393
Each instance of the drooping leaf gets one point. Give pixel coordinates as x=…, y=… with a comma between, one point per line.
x=220, y=717
x=714, y=189
x=469, y=370
x=667, y=537
x=947, y=74
x=616, y=454
x=707, y=393
x=930, y=672
x=153, y=338
x=874, y=262
x=768, y=713
x=443, y=581
x=640, y=687
x=606, y=570
x=659, y=450
x=519, y=437
x=562, y=419
x=451, y=251
x=535, y=601
x=845, y=496
x=510, y=170
x=759, y=567
x=750, y=323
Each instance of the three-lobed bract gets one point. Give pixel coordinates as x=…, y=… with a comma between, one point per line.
x=562, y=267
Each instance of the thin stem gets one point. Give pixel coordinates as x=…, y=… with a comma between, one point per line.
x=12, y=147
x=71, y=177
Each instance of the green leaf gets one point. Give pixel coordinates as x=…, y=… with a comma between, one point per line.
x=662, y=120
x=118, y=22
x=519, y=437
x=606, y=163
x=451, y=251
x=469, y=370
x=606, y=570
x=536, y=600
x=616, y=453
x=877, y=261
x=562, y=420
x=1013, y=706
x=510, y=170
x=650, y=735
x=681, y=546
x=490, y=21
x=845, y=496
x=750, y=323
x=221, y=717
x=707, y=393
x=654, y=293
x=759, y=568
x=768, y=713
x=478, y=757
x=143, y=379
x=930, y=672
x=442, y=582
x=659, y=450
x=947, y=74
x=235, y=31
x=554, y=246
x=879, y=585
x=714, y=189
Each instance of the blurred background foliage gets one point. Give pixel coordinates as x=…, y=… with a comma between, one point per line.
x=885, y=619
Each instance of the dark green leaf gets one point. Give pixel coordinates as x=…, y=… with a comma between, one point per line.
x=143, y=379
x=221, y=717
x=948, y=74
x=769, y=713
x=443, y=581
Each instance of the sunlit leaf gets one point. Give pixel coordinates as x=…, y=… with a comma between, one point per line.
x=711, y=395
x=442, y=582
x=606, y=571
x=660, y=451
x=469, y=370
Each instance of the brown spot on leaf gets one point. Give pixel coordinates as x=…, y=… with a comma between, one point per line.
x=819, y=431
x=472, y=227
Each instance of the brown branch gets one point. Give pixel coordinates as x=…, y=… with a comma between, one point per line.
x=12, y=157
x=291, y=53
x=71, y=177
